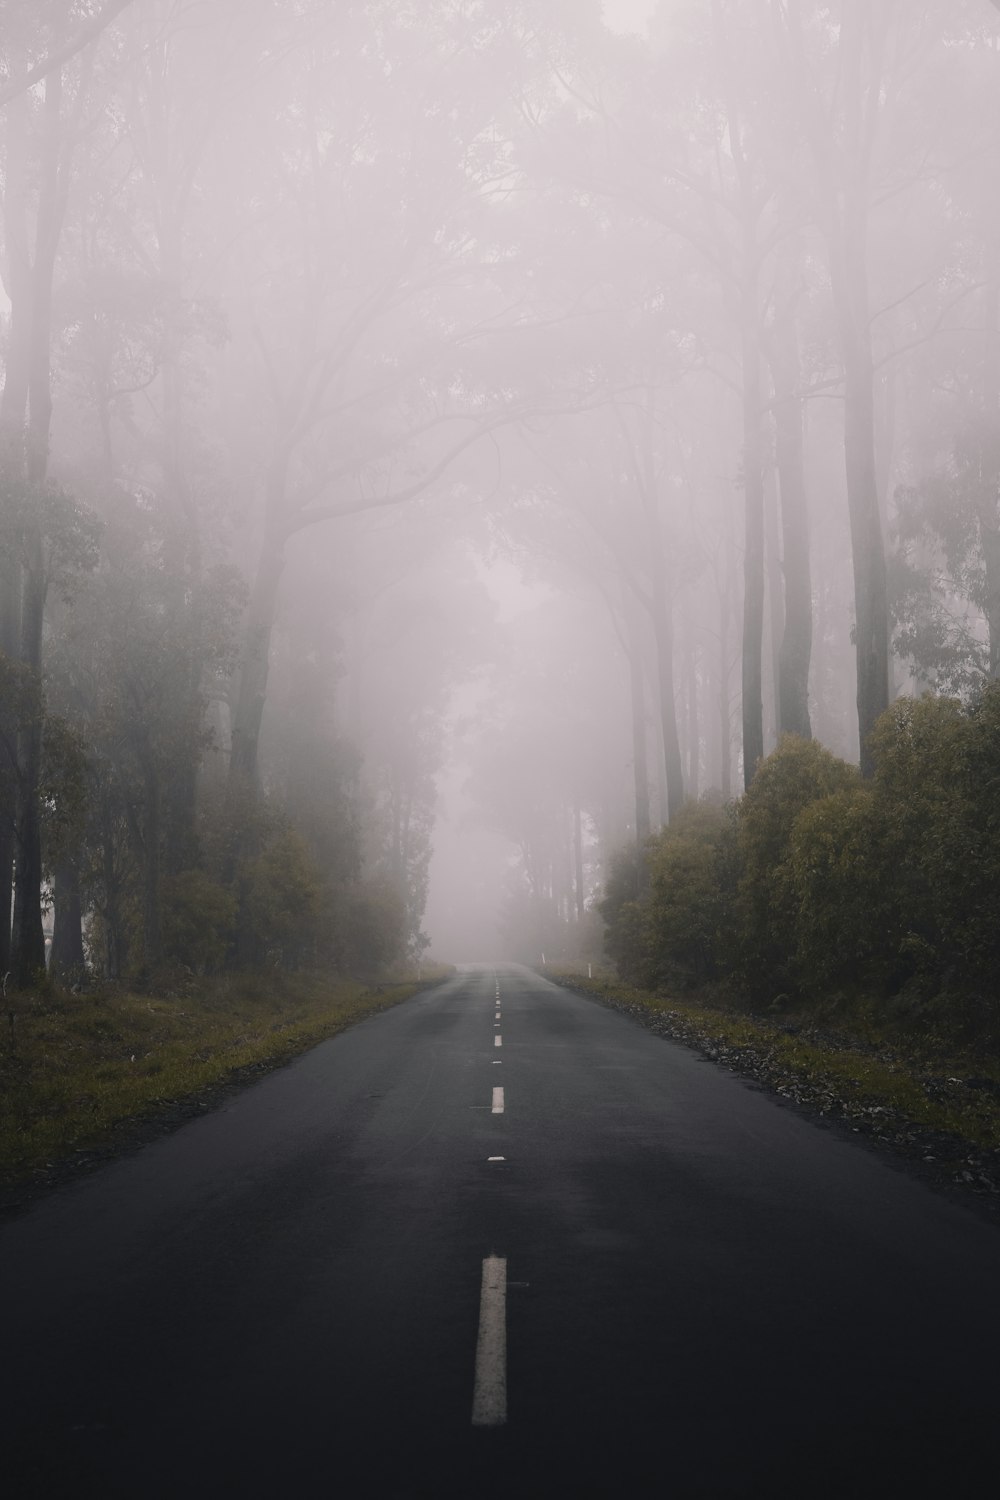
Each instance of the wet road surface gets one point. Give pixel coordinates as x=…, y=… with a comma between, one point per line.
x=499, y=1241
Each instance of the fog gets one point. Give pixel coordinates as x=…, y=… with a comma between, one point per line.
x=440, y=439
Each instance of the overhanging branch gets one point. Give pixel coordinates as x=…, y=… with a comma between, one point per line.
x=84, y=36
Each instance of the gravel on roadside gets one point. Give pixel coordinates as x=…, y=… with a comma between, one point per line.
x=962, y=1170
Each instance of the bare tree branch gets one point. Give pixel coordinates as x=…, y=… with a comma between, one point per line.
x=88, y=31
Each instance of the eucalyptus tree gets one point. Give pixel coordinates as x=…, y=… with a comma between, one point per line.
x=946, y=569
x=682, y=135
x=845, y=67
x=568, y=524
x=549, y=763
x=416, y=622
x=366, y=281
x=40, y=139
x=782, y=342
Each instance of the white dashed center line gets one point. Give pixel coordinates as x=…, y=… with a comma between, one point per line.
x=489, y=1396
x=498, y=1101
x=498, y=1041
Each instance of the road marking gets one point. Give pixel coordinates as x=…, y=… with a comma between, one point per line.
x=498, y=1041
x=496, y=1158
x=498, y=1101
x=497, y=1063
x=489, y=1395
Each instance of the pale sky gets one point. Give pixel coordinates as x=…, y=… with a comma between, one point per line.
x=628, y=15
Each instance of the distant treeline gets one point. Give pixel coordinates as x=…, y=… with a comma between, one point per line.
x=816, y=883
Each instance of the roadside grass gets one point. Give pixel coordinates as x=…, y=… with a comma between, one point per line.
x=74, y=1069
x=910, y=1082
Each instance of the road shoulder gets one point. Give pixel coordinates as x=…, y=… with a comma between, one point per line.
x=937, y=1126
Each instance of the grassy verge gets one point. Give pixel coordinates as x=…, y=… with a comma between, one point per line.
x=936, y=1105
x=79, y=1072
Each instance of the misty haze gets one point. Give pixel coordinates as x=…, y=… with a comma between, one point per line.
x=500, y=746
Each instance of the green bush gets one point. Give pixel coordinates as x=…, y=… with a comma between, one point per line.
x=282, y=900
x=374, y=928
x=839, y=884
x=688, y=908
x=668, y=912
x=199, y=916
x=625, y=937
x=822, y=884
x=937, y=781
x=798, y=773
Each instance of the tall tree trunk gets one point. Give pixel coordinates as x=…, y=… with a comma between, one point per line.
x=867, y=546
x=67, y=962
x=795, y=653
x=640, y=762
x=693, y=723
x=753, y=489
x=181, y=519
x=775, y=600
x=663, y=631
x=989, y=448
x=27, y=937
x=152, y=925
x=114, y=925
x=260, y=616
x=662, y=614
x=252, y=690
x=849, y=275
x=13, y=416
x=579, y=892
x=842, y=148
x=726, y=594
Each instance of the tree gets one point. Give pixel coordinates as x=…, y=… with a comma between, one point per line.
x=841, y=128
x=795, y=651
x=371, y=383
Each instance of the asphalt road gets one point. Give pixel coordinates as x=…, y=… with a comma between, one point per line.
x=692, y=1291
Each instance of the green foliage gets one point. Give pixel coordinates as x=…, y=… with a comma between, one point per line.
x=797, y=774
x=688, y=908
x=827, y=885
x=940, y=574
x=281, y=893
x=938, y=779
x=625, y=930
x=373, y=932
x=79, y=1067
x=20, y=704
x=667, y=914
x=199, y=918
x=69, y=531
x=838, y=884
x=63, y=787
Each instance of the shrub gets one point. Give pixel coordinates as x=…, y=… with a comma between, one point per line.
x=199, y=916
x=839, y=881
x=938, y=785
x=819, y=882
x=283, y=899
x=624, y=931
x=799, y=772
x=374, y=932
x=666, y=914
x=688, y=909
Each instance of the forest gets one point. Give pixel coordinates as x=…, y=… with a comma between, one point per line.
x=565, y=436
